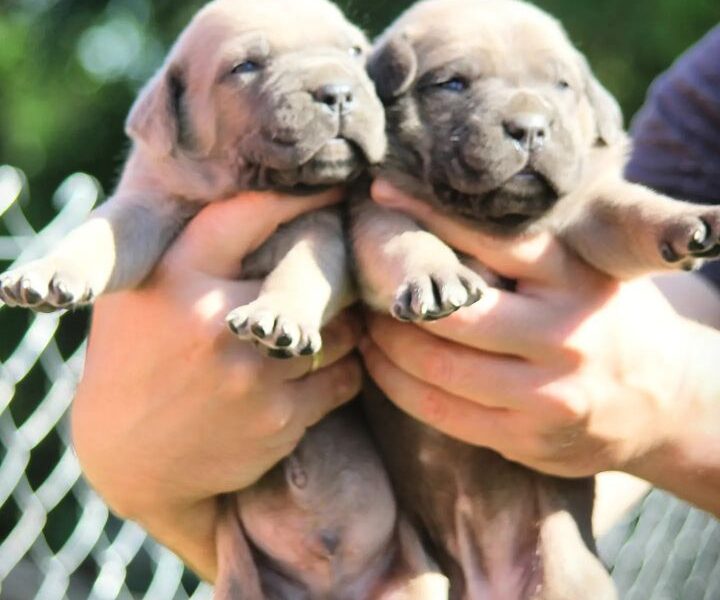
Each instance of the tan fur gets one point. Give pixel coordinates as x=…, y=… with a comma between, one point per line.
x=301, y=112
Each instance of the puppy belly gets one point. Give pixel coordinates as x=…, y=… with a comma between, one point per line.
x=323, y=521
x=490, y=521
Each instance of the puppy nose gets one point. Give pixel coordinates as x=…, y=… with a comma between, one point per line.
x=338, y=96
x=529, y=129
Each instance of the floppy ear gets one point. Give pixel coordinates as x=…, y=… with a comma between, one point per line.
x=393, y=68
x=237, y=577
x=608, y=115
x=154, y=119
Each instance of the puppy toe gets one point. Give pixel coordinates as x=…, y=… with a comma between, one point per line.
x=412, y=299
x=691, y=237
x=237, y=320
x=474, y=284
x=287, y=334
x=66, y=292
x=262, y=324
x=401, y=307
x=451, y=292
x=311, y=343
x=423, y=296
x=40, y=287
x=7, y=289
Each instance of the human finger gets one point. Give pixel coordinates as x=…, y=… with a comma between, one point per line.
x=459, y=418
x=538, y=257
x=459, y=370
x=222, y=234
x=318, y=394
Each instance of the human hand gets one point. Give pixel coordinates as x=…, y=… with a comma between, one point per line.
x=174, y=410
x=572, y=373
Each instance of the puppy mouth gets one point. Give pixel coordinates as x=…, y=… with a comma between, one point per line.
x=337, y=153
x=529, y=182
x=521, y=200
x=337, y=161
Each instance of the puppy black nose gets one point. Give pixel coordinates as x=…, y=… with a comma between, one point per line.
x=529, y=129
x=338, y=96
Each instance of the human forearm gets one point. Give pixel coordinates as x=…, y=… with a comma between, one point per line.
x=687, y=463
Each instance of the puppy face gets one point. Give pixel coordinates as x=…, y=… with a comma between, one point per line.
x=275, y=91
x=489, y=101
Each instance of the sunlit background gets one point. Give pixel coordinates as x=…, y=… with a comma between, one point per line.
x=69, y=70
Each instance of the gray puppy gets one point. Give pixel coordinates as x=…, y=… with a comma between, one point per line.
x=258, y=95
x=495, y=118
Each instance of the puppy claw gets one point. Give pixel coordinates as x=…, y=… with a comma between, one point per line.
x=699, y=241
x=40, y=287
x=691, y=237
x=279, y=354
x=438, y=295
x=237, y=323
x=279, y=335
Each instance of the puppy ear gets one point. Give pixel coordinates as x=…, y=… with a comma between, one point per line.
x=237, y=577
x=608, y=115
x=393, y=68
x=154, y=119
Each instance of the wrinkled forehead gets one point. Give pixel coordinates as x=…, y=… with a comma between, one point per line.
x=499, y=36
x=278, y=25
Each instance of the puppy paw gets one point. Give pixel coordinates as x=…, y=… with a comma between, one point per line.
x=43, y=286
x=429, y=297
x=283, y=335
x=688, y=239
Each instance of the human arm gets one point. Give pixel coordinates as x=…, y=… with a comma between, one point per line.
x=173, y=409
x=573, y=373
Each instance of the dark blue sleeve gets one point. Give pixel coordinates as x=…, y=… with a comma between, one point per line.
x=676, y=135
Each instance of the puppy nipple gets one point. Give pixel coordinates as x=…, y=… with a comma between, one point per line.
x=330, y=540
x=295, y=472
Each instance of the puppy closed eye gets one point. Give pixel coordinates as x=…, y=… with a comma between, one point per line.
x=454, y=84
x=246, y=67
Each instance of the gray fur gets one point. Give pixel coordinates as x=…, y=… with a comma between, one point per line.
x=494, y=118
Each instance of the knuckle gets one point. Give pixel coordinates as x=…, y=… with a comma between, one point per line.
x=565, y=404
x=277, y=417
x=571, y=411
x=347, y=381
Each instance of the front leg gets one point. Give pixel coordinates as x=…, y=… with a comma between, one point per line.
x=627, y=230
x=307, y=284
x=405, y=270
x=114, y=249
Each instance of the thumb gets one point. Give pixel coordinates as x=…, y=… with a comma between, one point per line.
x=217, y=240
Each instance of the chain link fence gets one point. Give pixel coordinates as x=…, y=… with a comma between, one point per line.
x=59, y=541
x=57, y=538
